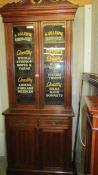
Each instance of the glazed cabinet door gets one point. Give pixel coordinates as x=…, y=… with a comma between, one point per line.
x=22, y=143
x=22, y=65
x=55, y=57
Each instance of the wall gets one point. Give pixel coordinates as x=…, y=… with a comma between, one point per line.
x=78, y=55
x=94, y=63
x=87, y=37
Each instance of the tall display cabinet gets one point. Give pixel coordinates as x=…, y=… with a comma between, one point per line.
x=38, y=37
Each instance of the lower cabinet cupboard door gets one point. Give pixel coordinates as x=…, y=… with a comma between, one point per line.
x=21, y=148
x=55, y=149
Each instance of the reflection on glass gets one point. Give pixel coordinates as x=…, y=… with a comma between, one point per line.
x=53, y=53
x=24, y=64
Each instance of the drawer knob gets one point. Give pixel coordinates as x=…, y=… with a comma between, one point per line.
x=52, y=123
x=36, y=75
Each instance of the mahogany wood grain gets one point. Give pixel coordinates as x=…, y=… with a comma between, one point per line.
x=38, y=136
x=92, y=138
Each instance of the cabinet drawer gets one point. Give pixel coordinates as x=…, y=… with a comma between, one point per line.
x=22, y=122
x=55, y=123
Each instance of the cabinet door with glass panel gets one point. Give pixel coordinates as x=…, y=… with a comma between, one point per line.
x=56, y=56
x=24, y=61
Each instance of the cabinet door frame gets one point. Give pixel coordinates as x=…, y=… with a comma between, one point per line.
x=11, y=66
x=59, y=145
x=67, y=65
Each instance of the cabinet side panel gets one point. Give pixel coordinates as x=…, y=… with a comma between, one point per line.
x=96, y=157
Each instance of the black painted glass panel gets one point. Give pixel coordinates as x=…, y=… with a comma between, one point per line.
x=23, y=37
x=54, y=53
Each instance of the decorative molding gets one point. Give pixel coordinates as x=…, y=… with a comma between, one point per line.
x=77, y=2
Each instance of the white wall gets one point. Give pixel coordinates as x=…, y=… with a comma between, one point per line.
x=81, y=54
x=87, y=37
x=94, y=62
x=78, y=61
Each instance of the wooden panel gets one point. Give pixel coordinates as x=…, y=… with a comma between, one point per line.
x=56, y=149
x=96, y=157
x=21, y=147
x=66, y=123
x=88, y=149
x=91, y=160
x=25, y=122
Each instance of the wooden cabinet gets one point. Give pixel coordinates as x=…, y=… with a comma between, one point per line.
x=91, y=150
x=38, y=36
x=41, y=145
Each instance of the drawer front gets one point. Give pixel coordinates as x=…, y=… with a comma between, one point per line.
x=21, y=122
x=39, y=122
x=64, y=123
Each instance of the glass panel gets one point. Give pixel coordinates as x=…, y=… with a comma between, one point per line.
x=24, y=64
x=54, y=53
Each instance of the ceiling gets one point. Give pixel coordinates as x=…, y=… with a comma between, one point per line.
x=78, y=2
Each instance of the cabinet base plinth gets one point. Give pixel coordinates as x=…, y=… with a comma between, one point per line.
x=35, y=172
